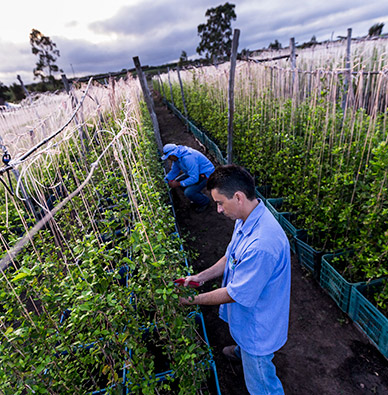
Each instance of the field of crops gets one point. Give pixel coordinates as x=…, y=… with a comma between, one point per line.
x=89, y=242
x=315, y=136
x=88, y=261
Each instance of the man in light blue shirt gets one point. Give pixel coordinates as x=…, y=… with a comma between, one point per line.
x=190, y=170
x=255, y=292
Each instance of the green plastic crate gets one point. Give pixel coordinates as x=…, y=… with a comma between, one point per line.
x=261, y=197
x=273, y=206
x=367, y=317
x=308, y=257
x=336, y=286
x=285, y=222
x=265, y=190
x=291, y=230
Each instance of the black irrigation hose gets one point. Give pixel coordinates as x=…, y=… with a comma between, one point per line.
x=6, y=186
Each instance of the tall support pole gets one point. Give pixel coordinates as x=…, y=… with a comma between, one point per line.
x=183, y=97
x=293, y=61
x=28, y=96
x=149, y=102
x=24, y=88
x=347, y=71
x=169, y=81
x=161, y=84
x=74, y=103
x=233, y=58
x=27, y=199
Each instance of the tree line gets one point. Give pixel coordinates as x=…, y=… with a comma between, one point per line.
x=215, y=44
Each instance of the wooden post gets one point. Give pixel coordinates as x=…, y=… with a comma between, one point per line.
x=161, y=83
x=27, y=199
x=347, y=71
x=183, y=97
x=293, y=61
x=149, y=102
x=65, y=83
x=233, y=58
x=74, y=103
x=169, y=81
x=28, y=96
x=24, y=88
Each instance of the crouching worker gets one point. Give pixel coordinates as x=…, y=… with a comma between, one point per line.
x=190, y=170
x=254, y=297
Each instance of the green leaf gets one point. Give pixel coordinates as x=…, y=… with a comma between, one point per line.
x=8, y=331
x=19, y=277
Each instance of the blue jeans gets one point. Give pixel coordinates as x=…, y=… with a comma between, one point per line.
x=193, y=192
x=260, y=374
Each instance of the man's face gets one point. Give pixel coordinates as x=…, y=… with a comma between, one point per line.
x=173, y=158
x=228, y=207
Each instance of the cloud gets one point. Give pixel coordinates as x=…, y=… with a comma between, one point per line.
x=87, y=58
x=157, y=31
x=149, y=17
x=302, y=20
x=71, y=24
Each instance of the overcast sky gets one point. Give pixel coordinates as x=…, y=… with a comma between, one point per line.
x=95, y=37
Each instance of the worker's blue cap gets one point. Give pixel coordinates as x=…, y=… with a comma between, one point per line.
x=167, y=150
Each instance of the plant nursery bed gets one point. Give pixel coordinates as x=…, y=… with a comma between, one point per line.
x=325, y=352
x=164, y=374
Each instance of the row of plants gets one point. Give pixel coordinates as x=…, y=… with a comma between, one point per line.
x=358, y=300
x=89, y=305
x=328, y=163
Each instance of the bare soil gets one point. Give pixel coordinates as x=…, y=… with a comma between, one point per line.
x=325, y=353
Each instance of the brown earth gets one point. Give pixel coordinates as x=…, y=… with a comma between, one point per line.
x=325, y=352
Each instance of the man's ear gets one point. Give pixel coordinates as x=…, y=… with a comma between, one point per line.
x=239, y=196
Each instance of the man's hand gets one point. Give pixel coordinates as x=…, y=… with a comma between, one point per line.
x=186, y=301
x=173, y=183
x=193, y=278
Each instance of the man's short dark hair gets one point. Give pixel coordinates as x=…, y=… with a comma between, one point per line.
x=229, y=179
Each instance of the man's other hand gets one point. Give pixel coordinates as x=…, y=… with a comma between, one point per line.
x=174, y=184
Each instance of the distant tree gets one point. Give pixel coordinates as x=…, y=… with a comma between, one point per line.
x=313, y=41
x=17, y=92
x=183, y=58
x=376, y=29
x=47, y=52
x=216, y=33
x=245, y=53
x=4, y=93
x=275, y=45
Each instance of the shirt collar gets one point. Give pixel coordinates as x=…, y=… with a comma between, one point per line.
x=246, y=227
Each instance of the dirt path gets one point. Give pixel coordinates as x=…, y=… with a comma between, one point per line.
x=325, y=353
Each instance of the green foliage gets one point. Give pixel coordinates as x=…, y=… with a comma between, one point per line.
x=47, y=52
x=76, y=305
x=4, y=93
x=216, y=33
x=275, y=45
x=17, y=93
x=376, y=29
x=183, y=58
x=329, y=166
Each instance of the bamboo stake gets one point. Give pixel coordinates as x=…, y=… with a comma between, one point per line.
x=149, y=102
x=183, y=97
x=233, y=58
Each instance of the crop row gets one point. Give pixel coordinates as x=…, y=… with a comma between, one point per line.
x=327, y=162
x=89, y=304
